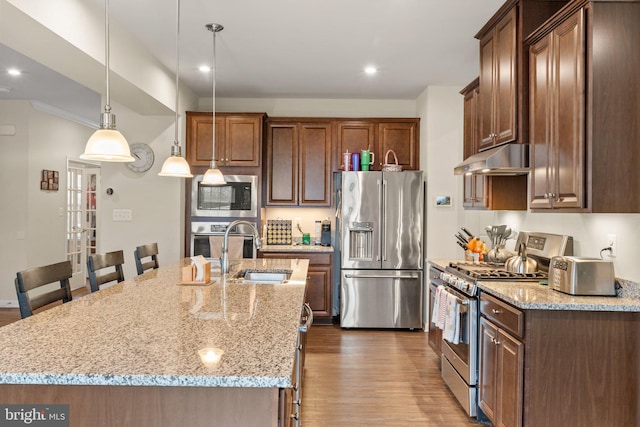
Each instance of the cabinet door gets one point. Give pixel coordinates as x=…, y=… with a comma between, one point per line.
x=540, y=127
x=319, y=290
x=486, y=98
x=498, y=94
x=243, y=136
x=199, y=142
x=402, y=138
x=557, y=116
x=315, y=145
x=471, y=127
x=282, y=164
x=508, y=409
x=569, y=87
x=353, y=136
x=487, y=372
x=475, y=192
x=505, y=79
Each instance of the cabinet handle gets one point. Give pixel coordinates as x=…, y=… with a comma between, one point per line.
x=496, y=311
x=496, y=342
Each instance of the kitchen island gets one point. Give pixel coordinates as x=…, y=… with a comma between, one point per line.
x=139, y=352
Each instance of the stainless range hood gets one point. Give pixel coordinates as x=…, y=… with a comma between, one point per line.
x=508, y=159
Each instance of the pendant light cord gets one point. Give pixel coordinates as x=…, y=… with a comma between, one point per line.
x=213, y=126
x=107, y=107
x=177, y=70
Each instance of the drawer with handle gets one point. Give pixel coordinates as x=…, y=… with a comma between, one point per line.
x=501, y=313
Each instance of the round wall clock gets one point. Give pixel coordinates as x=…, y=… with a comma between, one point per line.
x=143, y=155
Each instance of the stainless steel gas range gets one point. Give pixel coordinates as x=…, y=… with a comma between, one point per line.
x=459, y=357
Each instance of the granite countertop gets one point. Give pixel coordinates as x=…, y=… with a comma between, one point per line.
x=147, y=331
x=297, y=248
x=534, y=296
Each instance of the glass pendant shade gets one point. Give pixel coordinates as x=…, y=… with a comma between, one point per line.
x=107, y=145
x=213, y=176
x=176, y=165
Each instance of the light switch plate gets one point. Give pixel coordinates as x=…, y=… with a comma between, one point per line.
x=122, y=215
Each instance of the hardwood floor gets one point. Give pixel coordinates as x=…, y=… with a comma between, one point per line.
x=375, y=378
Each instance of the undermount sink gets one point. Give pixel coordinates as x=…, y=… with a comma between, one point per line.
x=262, y=276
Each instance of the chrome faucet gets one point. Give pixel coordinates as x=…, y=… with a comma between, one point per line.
x=224, y=261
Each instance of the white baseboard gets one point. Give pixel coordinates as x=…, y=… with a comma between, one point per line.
x=9, y=303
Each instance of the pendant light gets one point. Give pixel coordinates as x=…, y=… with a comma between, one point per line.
x=107, y=144
x=213, y=176
x=176, y=165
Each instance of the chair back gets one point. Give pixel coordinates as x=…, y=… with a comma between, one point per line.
x=34, y=278
x=146, y=251
x=98, y=262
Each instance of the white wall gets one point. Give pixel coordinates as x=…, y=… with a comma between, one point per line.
x=589, y=232
x=32, y=230
x=14, y=176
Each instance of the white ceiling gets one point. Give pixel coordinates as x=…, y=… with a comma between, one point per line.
x=299, y=48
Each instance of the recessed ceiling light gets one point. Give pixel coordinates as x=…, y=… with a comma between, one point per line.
x=204, y=68
x=14, y=72
x=370, y=70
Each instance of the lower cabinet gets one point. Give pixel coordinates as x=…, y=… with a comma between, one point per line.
x=319, y=282
x=569, y=368
x=501, y=365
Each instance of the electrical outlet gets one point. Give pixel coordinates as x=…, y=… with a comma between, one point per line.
x=612, y=242
x=298, y=220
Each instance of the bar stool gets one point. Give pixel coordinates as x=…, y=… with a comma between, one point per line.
x=37, y=277
x=145, y=251
x=100, y=261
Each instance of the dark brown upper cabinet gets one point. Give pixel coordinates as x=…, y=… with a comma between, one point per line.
x=298, y=171
x=380, y=135
x=585, y=109
x=238, y=139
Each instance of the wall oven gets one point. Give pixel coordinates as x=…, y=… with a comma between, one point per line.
x=237, y=199
x=201, y=231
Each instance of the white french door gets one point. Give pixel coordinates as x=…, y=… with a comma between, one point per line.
x=82, y=217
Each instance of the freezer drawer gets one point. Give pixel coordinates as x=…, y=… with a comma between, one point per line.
x=381, y=299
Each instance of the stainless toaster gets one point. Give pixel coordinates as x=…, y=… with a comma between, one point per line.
x=582, y=276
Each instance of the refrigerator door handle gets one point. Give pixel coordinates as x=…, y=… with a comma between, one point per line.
x=379, y=183
x=380, y=276
x=383, y=223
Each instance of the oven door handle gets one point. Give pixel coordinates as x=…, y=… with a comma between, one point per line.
x=380, y=276
x=459, y=298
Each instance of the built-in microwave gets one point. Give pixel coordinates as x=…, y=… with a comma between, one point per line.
x=238, y=198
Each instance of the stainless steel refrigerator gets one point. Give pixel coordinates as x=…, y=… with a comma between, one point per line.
x=382, y=216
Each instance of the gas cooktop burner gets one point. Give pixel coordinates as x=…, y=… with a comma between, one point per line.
x=492, y=271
